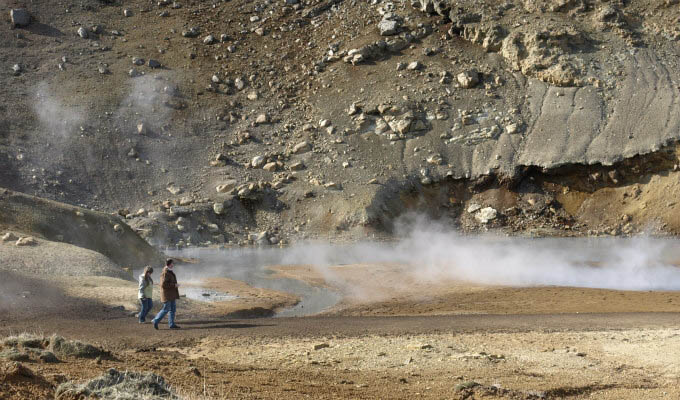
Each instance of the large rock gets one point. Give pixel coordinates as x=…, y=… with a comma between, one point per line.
x=20, y=17
x=468, y=79
x=226, y=186
x=257, y=161
x=388, y=27
x=301, y=147
x=485, y=215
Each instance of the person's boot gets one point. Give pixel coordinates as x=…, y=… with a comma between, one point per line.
x=175, y=327
x=155, y=324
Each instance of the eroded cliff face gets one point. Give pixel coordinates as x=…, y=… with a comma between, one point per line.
x=266, y=123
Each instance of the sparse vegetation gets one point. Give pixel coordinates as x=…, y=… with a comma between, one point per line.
x=117, y=385
x=25, y=346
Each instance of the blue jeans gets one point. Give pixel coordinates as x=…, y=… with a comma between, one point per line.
x=168, y=307
x=147, y=304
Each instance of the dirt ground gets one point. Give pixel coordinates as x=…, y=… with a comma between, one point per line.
x=460, y=342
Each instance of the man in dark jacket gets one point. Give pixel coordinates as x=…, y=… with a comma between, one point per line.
x=169, y=294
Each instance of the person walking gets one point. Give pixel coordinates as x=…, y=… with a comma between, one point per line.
x=169, y=294
x=145, y=293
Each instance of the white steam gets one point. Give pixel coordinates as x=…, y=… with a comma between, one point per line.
x=429, y=252
x=60, y=121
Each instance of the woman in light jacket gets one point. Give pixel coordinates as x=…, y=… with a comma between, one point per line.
x=145, y=293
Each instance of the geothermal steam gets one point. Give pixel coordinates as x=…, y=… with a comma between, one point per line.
x=430, y=252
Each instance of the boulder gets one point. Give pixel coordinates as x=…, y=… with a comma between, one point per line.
x=26, y=241
x=9, y=237
x=20, y=17
x=301, y=147
x=226, y=186
x=468, y=79
x=262, y=119
x=414, y=66
x=297, y=166
x=388, y=27
x=258, y=161
x=485, y=215
x=474, y=207
x=218, y=208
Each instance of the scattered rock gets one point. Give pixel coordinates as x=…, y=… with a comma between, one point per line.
x=388, y=27
x=210, y=39
x=26, y=241
x=19, y=17
x=512, y=128
x=191, y=32
x=82, y=32
x=302, y=147
x=127, y=12
x=175, y=190
x=226, y=187
x=474, y=207
x=297, y=166
x=218, y=208
x=485, y=215
x=414, y=66
x=9, y=237
x=154, y=63
x=257, y=161
x=465, y=385
x=16, y=69
x=262, y=119
x=333, y=186
x=468, y=79
x=321, y=346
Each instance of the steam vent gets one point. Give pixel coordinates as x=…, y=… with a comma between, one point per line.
x=317, y=168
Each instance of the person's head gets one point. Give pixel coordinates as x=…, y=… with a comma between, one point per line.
x=148, y=270
x=169, y=263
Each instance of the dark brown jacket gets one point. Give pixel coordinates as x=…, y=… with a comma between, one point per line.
x=169, y=289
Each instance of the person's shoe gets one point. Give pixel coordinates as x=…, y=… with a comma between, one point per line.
x=142, y=322
x=155, y=324
x=175, y=327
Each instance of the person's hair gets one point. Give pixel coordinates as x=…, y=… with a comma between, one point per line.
x=168, y=262
x=148, y=270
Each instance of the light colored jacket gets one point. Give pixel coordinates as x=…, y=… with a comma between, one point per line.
x=145, y=288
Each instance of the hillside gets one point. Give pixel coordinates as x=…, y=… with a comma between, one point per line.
x=203, y=121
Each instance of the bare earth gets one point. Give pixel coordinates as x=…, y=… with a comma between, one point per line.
x=547, y=342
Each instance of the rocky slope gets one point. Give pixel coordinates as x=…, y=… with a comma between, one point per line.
x=265, y=122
